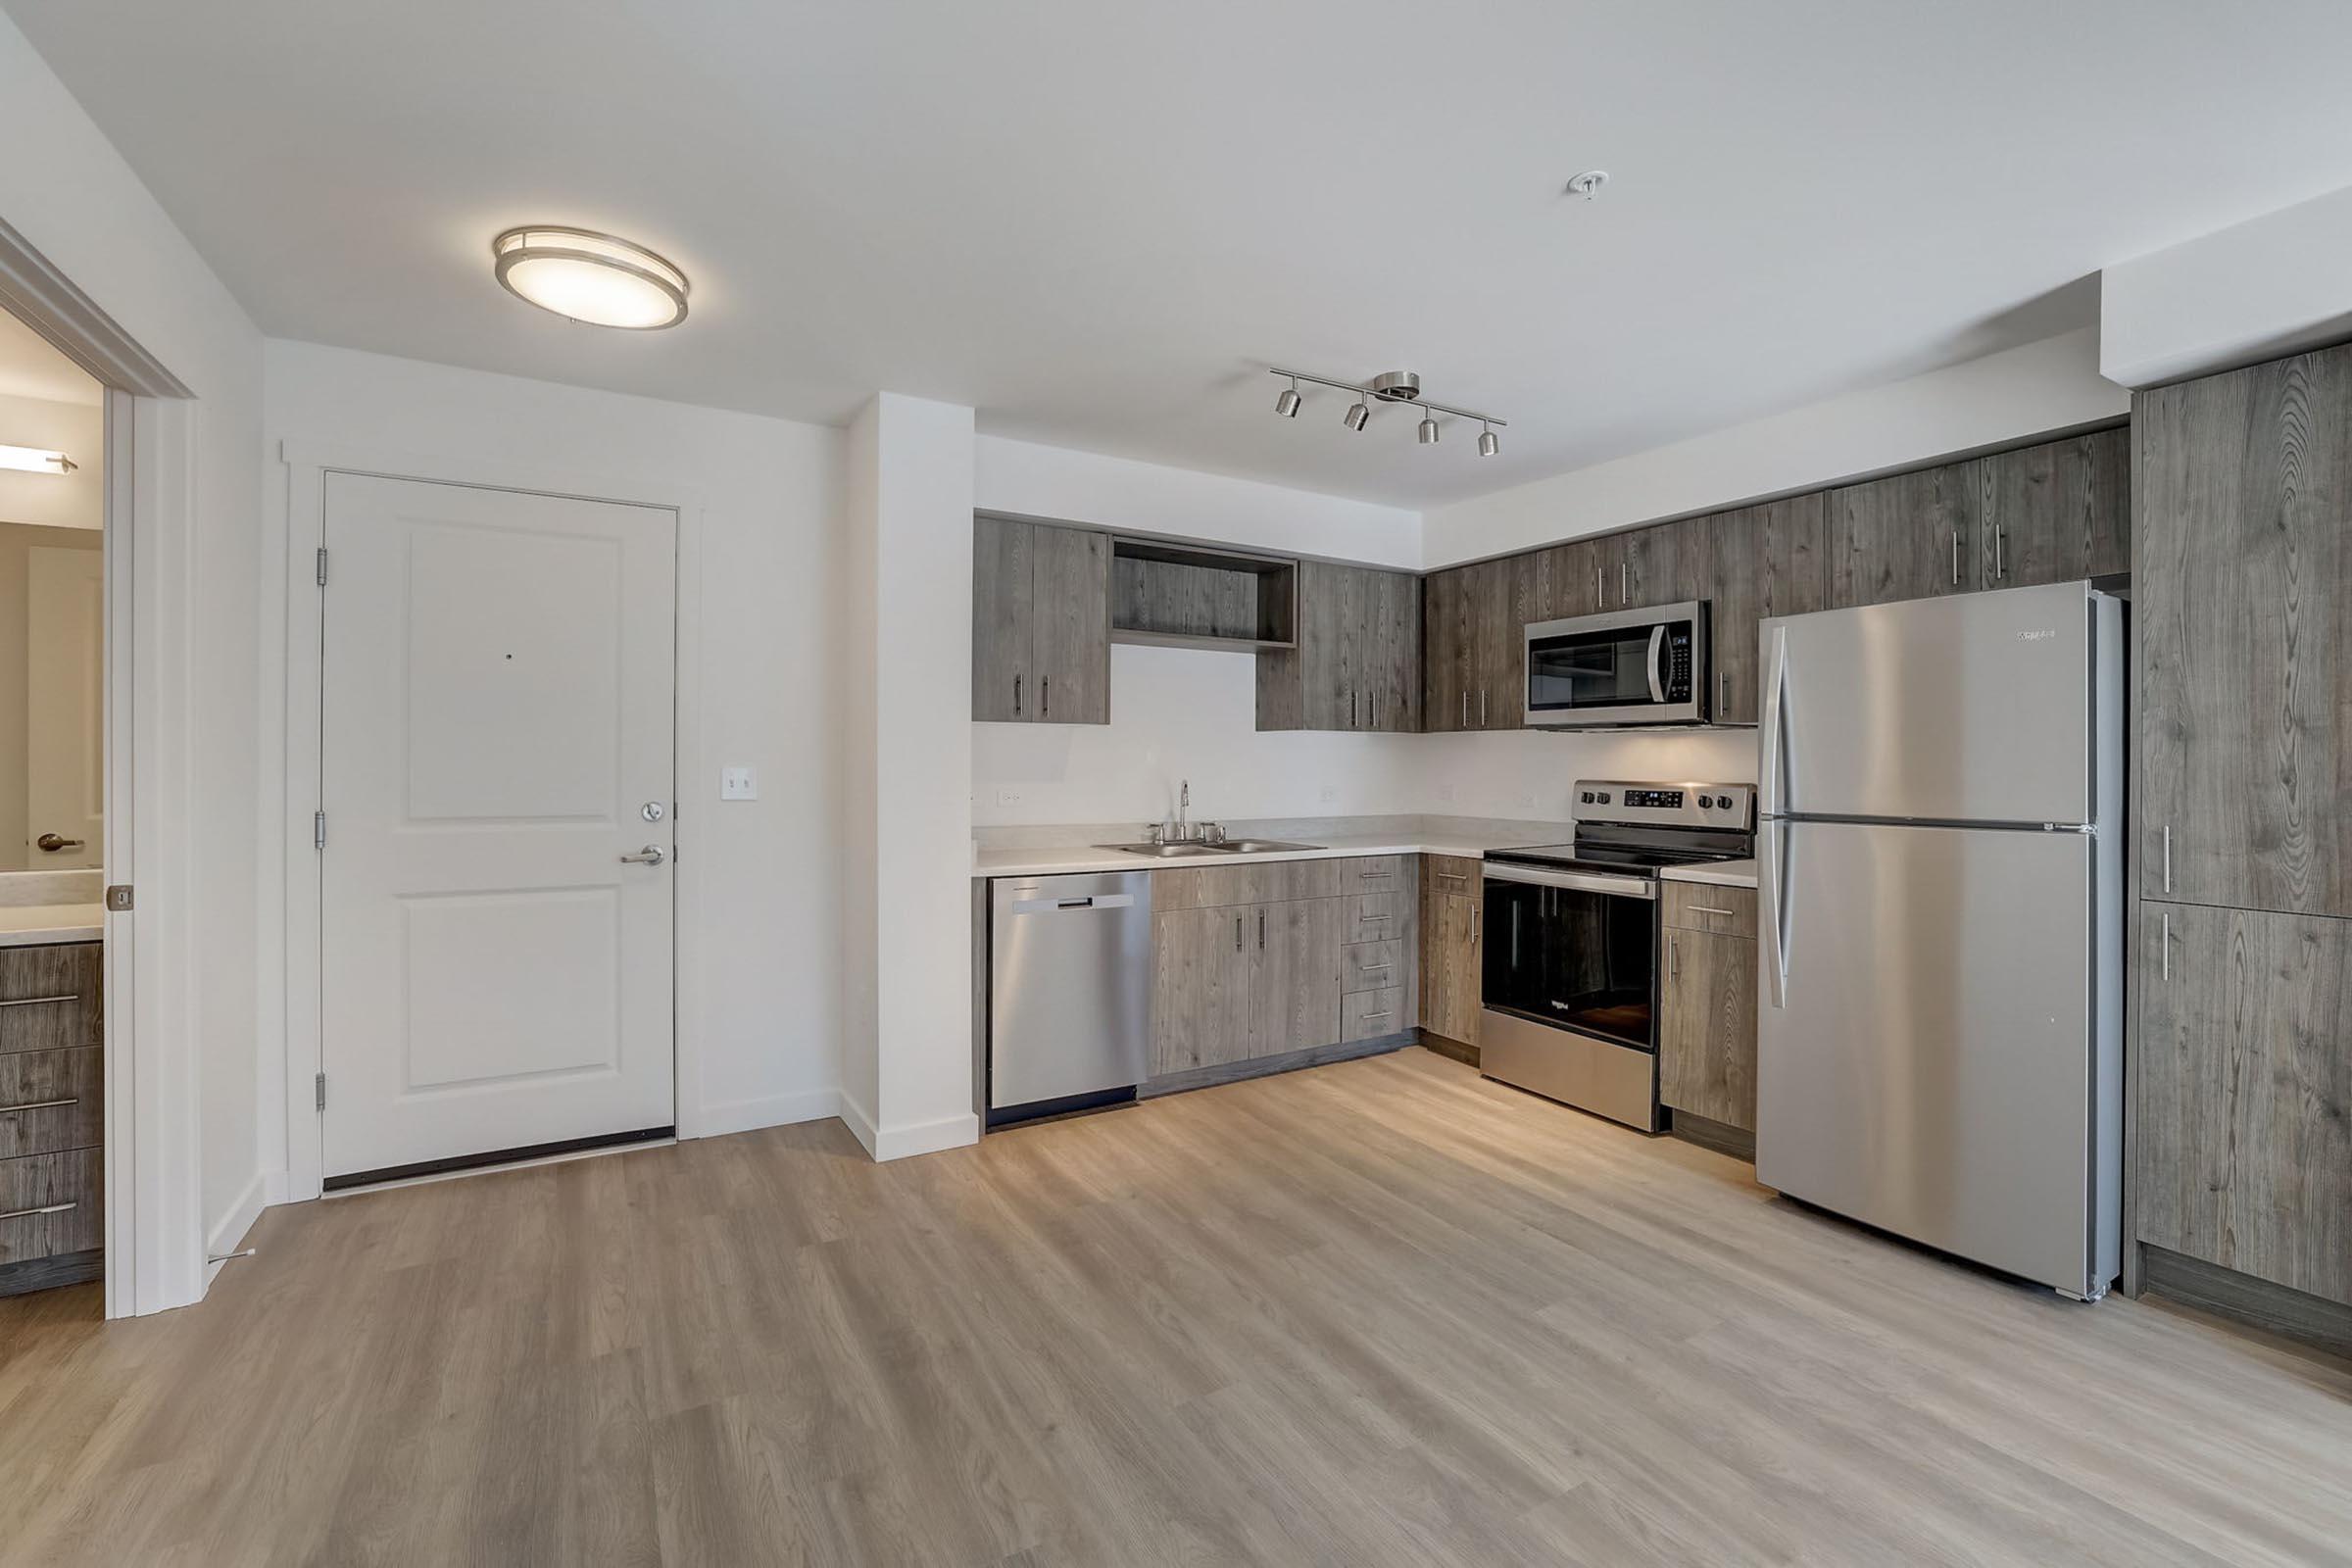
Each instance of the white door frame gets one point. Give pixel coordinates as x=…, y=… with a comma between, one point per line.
x=306, y=469
x=155, y=1240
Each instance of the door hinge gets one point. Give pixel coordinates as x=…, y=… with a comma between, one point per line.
x=318, y=830
x=319, y=1084
x=117, y=897
x=322, y=565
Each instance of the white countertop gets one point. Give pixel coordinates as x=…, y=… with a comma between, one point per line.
x=32, y=924
x=1720, y=873
x=1054, y=862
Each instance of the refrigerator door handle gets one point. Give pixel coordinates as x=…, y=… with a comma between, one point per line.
x=1657, y=667
x=1775, y=674
x=1772, y=895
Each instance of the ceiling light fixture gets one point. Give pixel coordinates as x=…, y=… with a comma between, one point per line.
x=1390, y=386
x=590, y=277
x=35, y=460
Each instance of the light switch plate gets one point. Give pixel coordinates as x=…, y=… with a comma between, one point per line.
x=738, y=784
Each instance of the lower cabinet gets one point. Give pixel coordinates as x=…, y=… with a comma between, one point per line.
x=1707, y=1012
x=52, y=1116
x=1450, y=890
x=1236, y=982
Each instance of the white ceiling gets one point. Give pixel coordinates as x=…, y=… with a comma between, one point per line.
x=1095, y=221
x=30, y=368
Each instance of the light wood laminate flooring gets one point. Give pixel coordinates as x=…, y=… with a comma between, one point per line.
x=1378, y=1312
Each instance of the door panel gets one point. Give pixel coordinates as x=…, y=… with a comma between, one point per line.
x=1708, y=1027
x=1295, y=980
x=499, y=704
x=1441, y=631
x=1907, y=536
x=2055, y=512
x=1201, y=982
x=2244, y=593
x=1003, y=584
x=1070, y=615
x=1927, y=1068
x=2244, y=1155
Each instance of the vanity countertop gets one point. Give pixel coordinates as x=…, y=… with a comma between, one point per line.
x=30, y=925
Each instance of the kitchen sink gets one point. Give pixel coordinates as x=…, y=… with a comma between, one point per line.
x=1262, y=846
x=1189, y=852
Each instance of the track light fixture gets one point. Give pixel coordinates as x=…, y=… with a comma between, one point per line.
x=1391, y=387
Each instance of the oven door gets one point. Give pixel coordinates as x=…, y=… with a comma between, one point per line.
x=1630, y=666
x=1575, y=950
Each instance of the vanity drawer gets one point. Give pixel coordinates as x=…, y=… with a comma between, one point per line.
x=51, y=1100
x=1372, y=965
x=50, y=1204
x=1705, y=906
x=1369, y=1015
x=50, y=996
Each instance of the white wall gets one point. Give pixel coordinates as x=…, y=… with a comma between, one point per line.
x=910, y=575
x=1528, y=776
x=70, y=195
x=75, y=499
x=763, y=656
x=1039, y=482
x=2051, y=386
x=2258, y=290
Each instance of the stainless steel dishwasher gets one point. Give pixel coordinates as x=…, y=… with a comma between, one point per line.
x=1069, y=992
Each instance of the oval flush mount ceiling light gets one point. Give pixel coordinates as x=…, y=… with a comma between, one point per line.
x=590, y=277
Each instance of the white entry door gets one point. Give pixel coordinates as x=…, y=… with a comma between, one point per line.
x=497, y=769
x=65, y=708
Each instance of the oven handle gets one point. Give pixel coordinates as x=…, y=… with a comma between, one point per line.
x=1630, y=887
x=1657, y=662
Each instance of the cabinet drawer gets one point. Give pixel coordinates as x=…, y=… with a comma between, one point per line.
x=51, y=1100
x=1378, y=917
x=49, y=997
x=1451, y=873
x=1372, y=965
x=1376, y=874
x=1704, y=907
x=1369, y=1015
x=49, y=1204
x=1203, y=887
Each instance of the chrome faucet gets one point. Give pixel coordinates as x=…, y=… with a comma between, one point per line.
x=1184, y=807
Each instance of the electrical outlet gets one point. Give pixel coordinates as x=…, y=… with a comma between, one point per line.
x=1445, y=793
x=1007, y=795
x=1330, y=794
x=738, y=784
x=1526, y=797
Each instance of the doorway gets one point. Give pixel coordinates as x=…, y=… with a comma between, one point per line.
x=496, y=794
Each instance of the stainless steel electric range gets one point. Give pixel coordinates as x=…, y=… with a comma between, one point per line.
x=1570, y=977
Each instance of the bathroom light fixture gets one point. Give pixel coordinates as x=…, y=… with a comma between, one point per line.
x=1390, y=386
x=33, y=460
x=590, y=277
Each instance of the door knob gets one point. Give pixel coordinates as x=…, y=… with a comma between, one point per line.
x=53, y=843
x=651, y=854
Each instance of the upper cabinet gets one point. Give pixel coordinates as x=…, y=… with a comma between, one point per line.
x=1356, y=661
x=2055, y=512
x=1907, y=536
x=1474, y=623
x=2243, y=592
x=1041, y=623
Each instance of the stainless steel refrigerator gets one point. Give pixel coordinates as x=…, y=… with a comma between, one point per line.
x=1939, y=889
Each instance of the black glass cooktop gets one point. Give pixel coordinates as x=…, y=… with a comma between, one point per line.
x=1645, y=858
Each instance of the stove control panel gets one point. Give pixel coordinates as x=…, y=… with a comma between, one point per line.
x=1727, y=805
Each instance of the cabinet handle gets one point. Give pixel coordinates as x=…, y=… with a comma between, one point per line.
x=1369, y=1016
x=1237, y=932
x=1454, y=876
x=1465, y=720
x=1261, y=930
x=2001, y=553
x=1955, y=556
x=1482, y=708
x=1474, y=925
x=1016, y=696
x=1378, y=968
x=2167, y=940
x=1044, y=697
x=38, y=1104
x=1600, y=594
x=2168, y=858
x=1673, y=959
x=45, y=1208
x=1709, y=909
x=1625, y=583
x=1370, y=875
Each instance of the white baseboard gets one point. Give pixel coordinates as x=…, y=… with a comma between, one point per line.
x=769, y=1111
x=229, y=1235
x=859, y=1121
x=924, y=1137
x=276, y=1188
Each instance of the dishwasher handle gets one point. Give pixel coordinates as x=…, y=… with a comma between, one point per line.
x=1094, y=900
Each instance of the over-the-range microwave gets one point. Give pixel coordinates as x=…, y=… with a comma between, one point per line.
x=1625, y=667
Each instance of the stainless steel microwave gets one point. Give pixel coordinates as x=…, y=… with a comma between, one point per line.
x=1629, y=666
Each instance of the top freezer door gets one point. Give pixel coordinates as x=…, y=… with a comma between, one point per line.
x=1970, y=709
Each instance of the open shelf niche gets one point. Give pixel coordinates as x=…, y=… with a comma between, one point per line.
x=1194, y=595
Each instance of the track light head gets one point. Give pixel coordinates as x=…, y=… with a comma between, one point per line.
x=1488, y=446
x=1287, y=404
x=1359, y=414
x=1429, y=430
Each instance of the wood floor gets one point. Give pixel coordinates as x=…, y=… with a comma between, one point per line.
x=1377, y=1312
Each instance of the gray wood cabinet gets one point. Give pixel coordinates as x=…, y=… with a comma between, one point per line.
x=2243, y=1151
x=1041, y=623
x=1474, y=627
x=1294, y=976
x=1707, y=1004
x=1357, y=661
x=1760, y=561
x=1202, y=977
x=52, y=1072
x=2243, y=590
x=1907, y=537
x=2055, y=512
x=1450, y=889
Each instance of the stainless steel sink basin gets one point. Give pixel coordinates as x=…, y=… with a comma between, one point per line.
x=1263, y=845
x=1168, y=851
